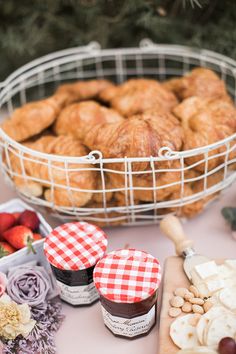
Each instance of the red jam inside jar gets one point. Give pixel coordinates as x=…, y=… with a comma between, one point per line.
x=73, y=249
x=128, y=282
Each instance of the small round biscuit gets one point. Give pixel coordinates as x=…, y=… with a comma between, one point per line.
x=198, y=309
x=174, y=312
x=196, y=301
x=177, y=301
x=187, y=307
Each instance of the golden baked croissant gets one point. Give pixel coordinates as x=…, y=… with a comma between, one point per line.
x=100, y=196
x=205, y=122
x=139, y=136
x=32, y=118
x=193, y=183
x=138, y=95
x=78, y=118
x=83, y=90
x=142, y=187
x=192, y=188
x=63, y=178
x=200, y=82
x=99, y=217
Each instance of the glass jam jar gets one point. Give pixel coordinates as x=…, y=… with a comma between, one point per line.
x=73, y=249
x=128, y=282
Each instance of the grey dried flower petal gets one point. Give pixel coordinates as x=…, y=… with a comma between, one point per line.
x=28, y=285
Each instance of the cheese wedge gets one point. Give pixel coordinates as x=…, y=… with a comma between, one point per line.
x=207, y=270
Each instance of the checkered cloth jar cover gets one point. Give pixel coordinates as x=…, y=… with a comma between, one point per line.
x=127, y=276
x=75, y=246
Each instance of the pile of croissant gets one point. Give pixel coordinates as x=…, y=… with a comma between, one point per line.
x=133, y=119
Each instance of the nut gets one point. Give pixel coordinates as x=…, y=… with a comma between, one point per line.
x=188, y=296
x=187, y=307
x=198, y=309
x=195, y=319
x=196, y=301
x=181, y=292
x=177, y=301
x=207, y=306
x=194, y=290
x=174, y=312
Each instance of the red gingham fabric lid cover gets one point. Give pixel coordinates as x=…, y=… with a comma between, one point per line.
x=127, y=276
x=75, y=246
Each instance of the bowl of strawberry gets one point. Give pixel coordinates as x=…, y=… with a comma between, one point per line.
x=21, y=228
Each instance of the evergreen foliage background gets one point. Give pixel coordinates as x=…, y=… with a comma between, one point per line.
x=31, y=28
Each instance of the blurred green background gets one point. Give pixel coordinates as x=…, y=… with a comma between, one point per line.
x=32, y=28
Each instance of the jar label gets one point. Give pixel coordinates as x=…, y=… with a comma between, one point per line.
x=78, y=295
x=130, y=327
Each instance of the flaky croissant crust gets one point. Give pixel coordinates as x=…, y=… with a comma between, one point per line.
x=140, y=117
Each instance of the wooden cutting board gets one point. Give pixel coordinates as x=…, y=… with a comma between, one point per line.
x=174, y=277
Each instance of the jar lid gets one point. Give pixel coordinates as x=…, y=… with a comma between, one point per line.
x=127, y=276
x=75, y=246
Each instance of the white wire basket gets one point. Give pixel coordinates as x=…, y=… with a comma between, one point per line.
x=40, y=78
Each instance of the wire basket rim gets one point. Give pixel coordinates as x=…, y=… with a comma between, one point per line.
x=91, y=157
x=146, y=46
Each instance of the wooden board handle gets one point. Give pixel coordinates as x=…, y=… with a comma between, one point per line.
x=172, y=228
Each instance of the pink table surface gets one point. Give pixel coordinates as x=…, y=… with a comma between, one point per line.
x=83, y=331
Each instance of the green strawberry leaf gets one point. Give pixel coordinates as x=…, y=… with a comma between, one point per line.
x=30, y=245
x=3, y=252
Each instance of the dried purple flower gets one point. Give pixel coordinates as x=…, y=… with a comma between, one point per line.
x=29, y=285
x=39, y=311
x=41, y=338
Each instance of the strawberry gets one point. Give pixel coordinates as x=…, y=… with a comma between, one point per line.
x=29, y=219
x=16, y=216
x=37, y=237
x=7, y=220
x=20, y=236
x=5, y=249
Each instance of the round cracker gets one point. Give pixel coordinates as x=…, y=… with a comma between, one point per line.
x=205, y=319
x=227, y=298
x=198, y=350
x=183, y=334
x=220, y=327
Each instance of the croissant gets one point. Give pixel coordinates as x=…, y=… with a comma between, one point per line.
x=108, y=217
x=199, y=82
x=138, y=95
x=147, y=187
x=139, y=136
x=193, y=208
x=103, y=190
x=78, y=118
x=68, y=184
x=205, y=122
x=32, y=118
x=83, y=90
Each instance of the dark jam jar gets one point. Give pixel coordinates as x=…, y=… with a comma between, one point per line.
x=128, y=282
x=73, y=249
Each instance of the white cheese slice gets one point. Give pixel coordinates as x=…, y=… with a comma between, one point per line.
x=206, y=270
x=225, y=271
x=215, y=285
x=229, y=283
